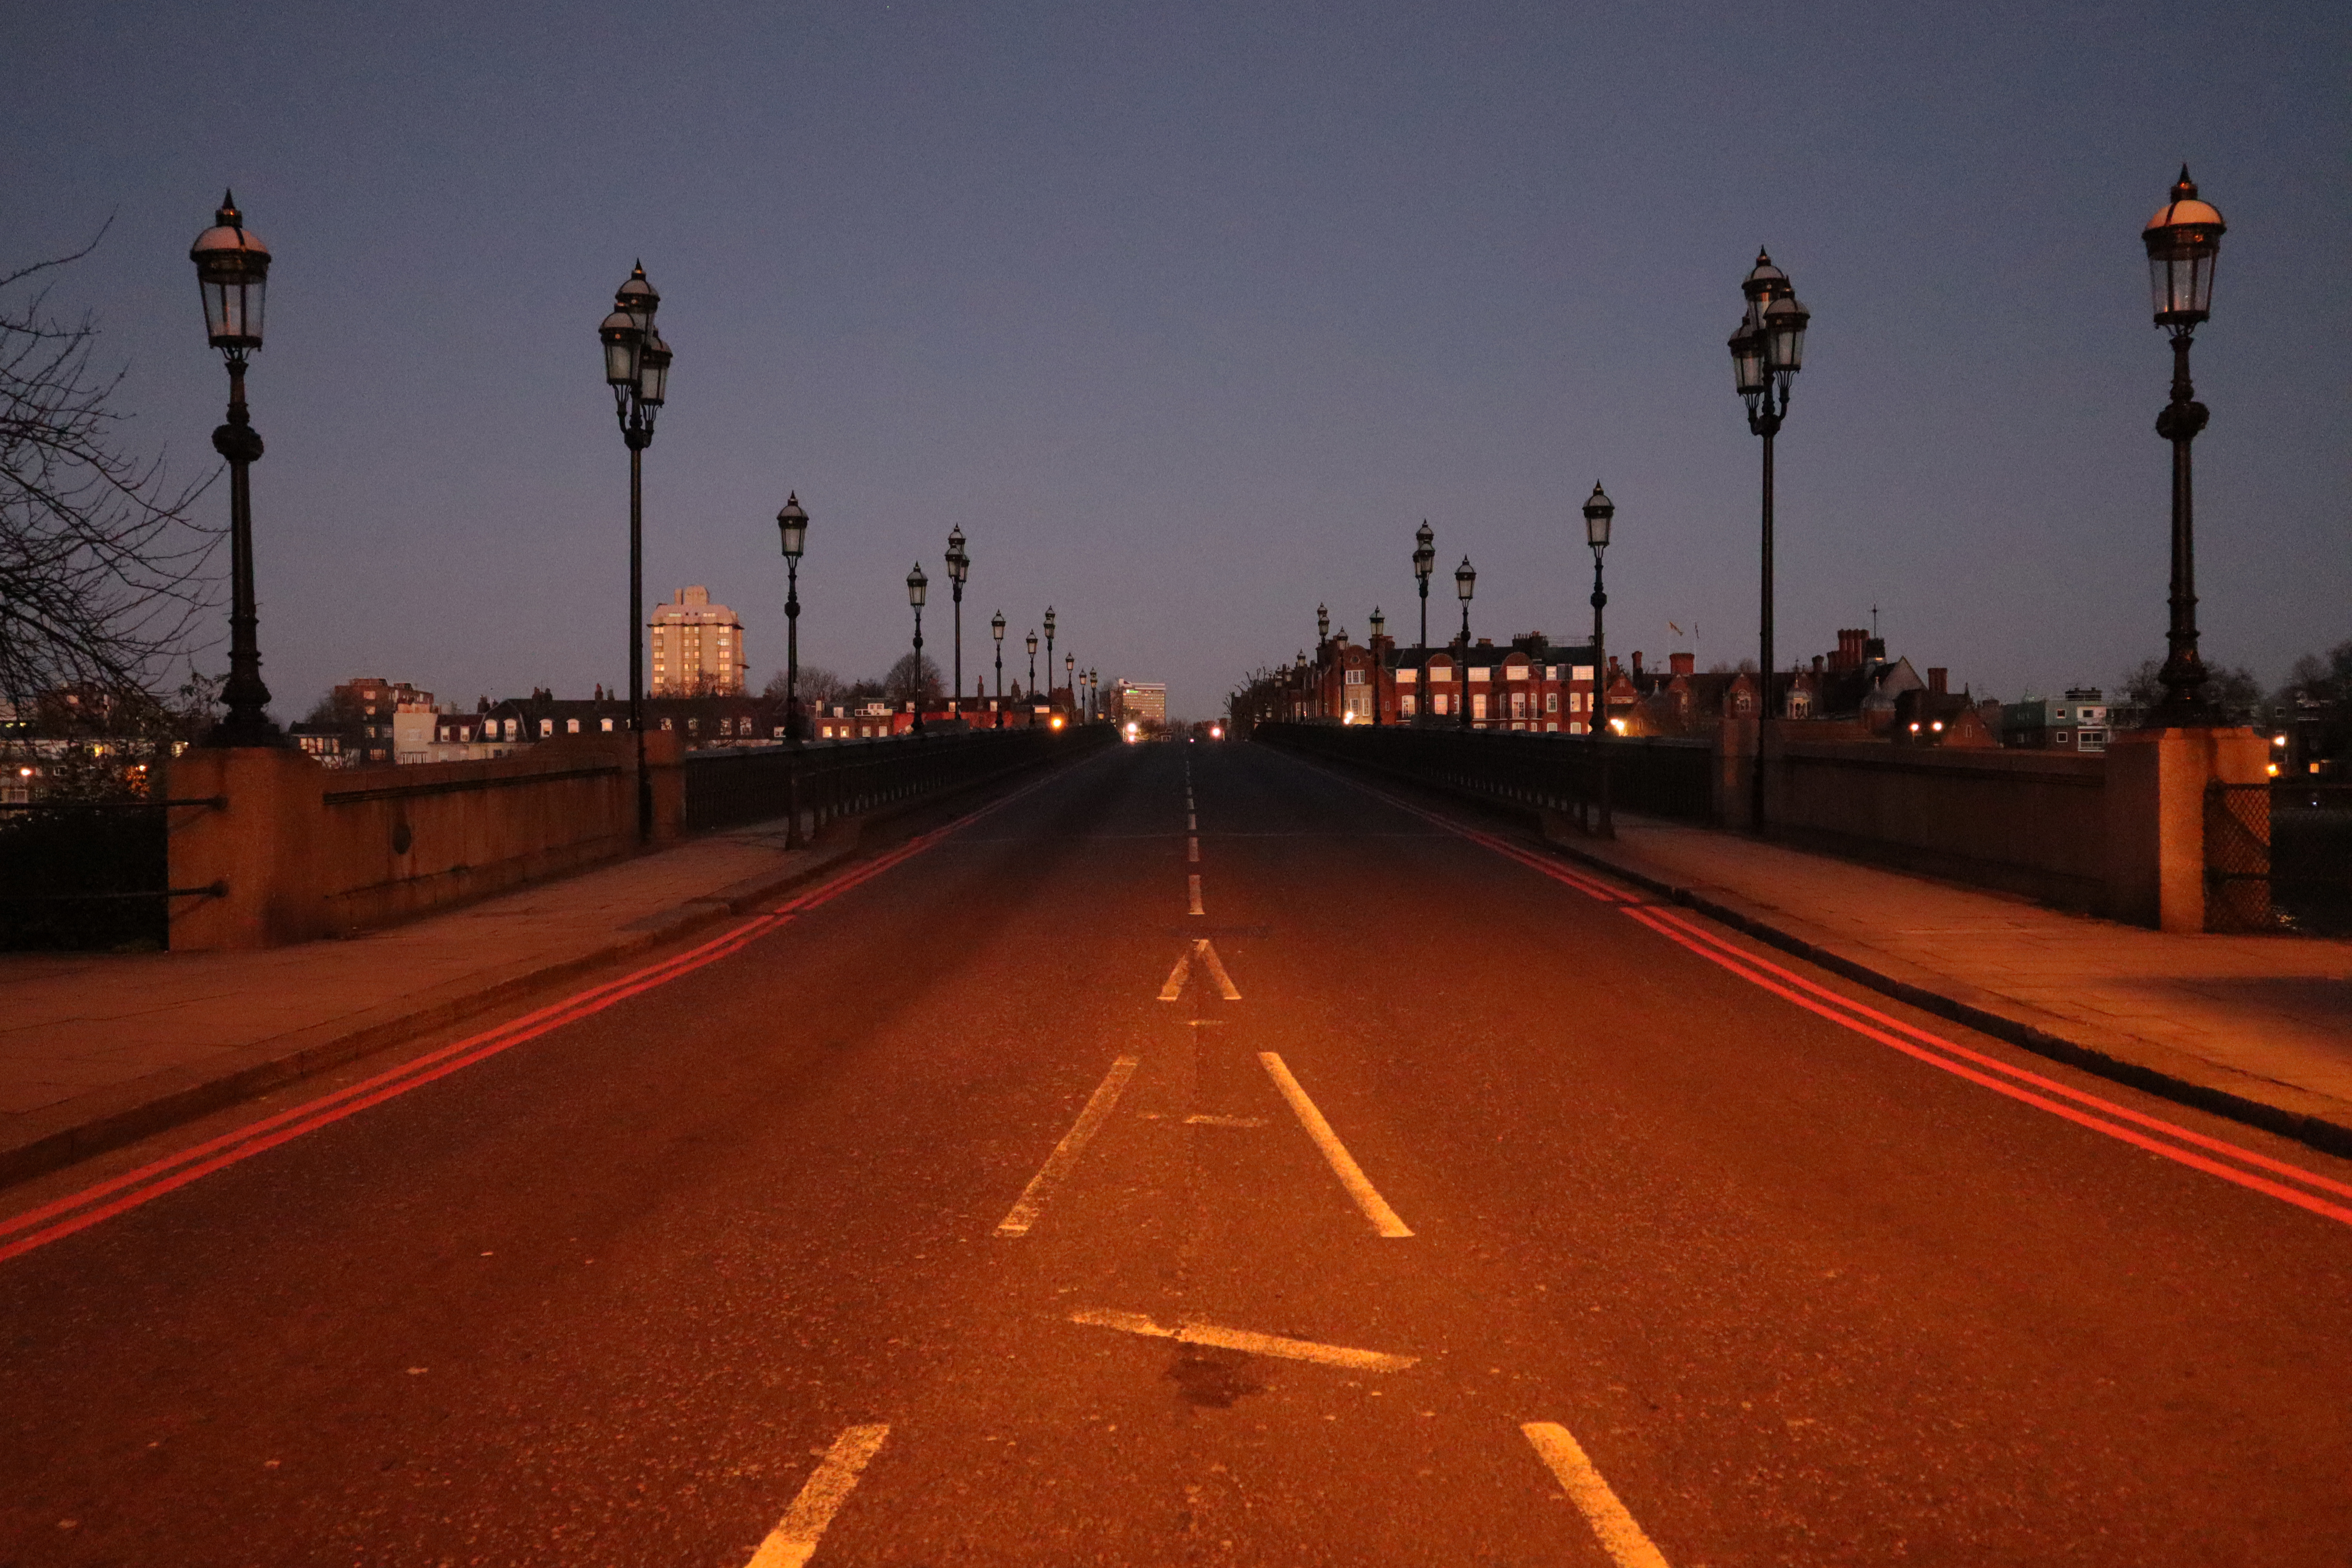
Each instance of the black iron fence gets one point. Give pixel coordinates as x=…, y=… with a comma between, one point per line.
x=1650, y=774
x=2278, y=856
x=88, y=874
x=825, y=780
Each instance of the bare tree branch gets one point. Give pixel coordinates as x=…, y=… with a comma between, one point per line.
x=102, y=571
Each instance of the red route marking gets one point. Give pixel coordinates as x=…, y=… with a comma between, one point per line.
x=178, y=1169
x=1886, y=1029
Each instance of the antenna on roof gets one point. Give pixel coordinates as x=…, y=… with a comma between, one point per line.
x=1874, y=620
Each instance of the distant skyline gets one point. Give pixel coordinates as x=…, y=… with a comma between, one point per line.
x=1189, y=316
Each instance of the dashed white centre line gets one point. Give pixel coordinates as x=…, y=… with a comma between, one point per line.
x=1066, y=1154
x=1191, y=822
x=1248, y=1341
x=795, y=1540
x=1620, y=1537
x=1192, y=885
x=1192, y=850
x=1343, y=1164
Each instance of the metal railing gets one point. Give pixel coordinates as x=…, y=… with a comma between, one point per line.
x=824, y=781
x=1650, y=774
x=83, y=874
x=2278, y=856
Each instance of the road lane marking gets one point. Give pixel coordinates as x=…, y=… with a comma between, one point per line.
x=1191, y=822
x=1206, y=951
x=1620, y=1537
x=795, y=1540
x=132, y=1189
x=1066, y=1154
x=1880, y=1026
x=1224, y=1121
x=1251, y=1342
x=1192, y=850
x=1175, y=986
x=1192, y=886
x=1343, y=1164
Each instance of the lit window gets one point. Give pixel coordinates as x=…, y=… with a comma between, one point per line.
x=1551, y=701
x=572, y=725
x=608, y=726
x=1405, y=703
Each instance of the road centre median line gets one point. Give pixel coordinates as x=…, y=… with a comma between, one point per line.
x=795, y=1538
x=1066, y=1154
x=1193, y=892
x=1248, y=1342
x=1620, y=1536
x=134, y=1188
x=1335, y=1153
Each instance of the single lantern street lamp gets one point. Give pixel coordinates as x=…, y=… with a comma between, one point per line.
x=233, y=274
x=2183, y=241
x=1598, y=509
x=996, y=626
x=918, y=588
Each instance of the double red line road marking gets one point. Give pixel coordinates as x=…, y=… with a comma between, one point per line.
x=2214, y=1156
x=78, y=1211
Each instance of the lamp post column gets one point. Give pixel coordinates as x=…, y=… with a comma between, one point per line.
x=1465, y=581
x=918, y=589
x=247, y=722
x=1049, y=655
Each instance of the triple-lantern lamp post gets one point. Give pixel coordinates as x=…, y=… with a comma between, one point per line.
x=959, y=567
x=636, y=367
x=1424, y=561
x=1466, y=580
x=1767, y=351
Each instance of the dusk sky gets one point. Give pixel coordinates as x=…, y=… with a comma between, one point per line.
x=1188, y=314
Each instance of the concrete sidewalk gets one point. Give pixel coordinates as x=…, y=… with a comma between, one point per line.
x=2256, y=1028
x=97, y=1049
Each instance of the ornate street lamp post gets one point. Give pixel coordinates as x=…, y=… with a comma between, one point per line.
x=1033, y=667
x=1464, y=580
x=996, y=626
x=1767, y=351
x=1424, y=561
x=1049, y=655
x=959, y=567
x=918, y=587
x=2183, y=239
x=1380, y=625
x=636, y=367
x=1598, y=510
x=1069, y=674
x=232, y=273
x=1093, y=695
x=792, y=523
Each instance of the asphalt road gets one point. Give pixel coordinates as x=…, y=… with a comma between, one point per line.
x=1454, y=1210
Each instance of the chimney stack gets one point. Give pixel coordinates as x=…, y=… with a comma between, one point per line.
x=1637, y=664
x=1681, y=663
x=1938, y=679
